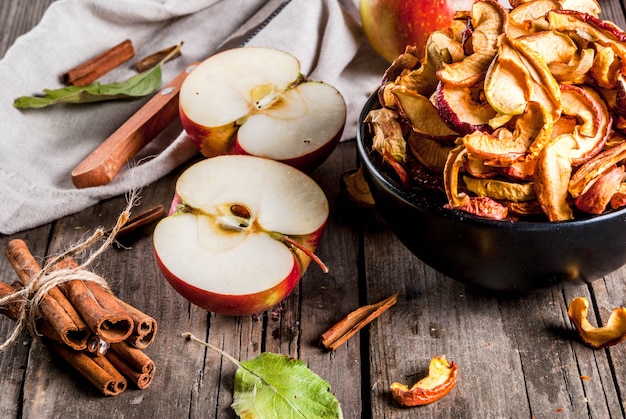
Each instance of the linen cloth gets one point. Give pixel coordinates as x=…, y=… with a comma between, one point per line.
x=39, y=148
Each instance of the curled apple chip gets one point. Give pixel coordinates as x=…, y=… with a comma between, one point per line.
x=489, y=20
x=552, y=175
x=441, y=379
x=422, y=114
x=529, y=17
x=600, y=193
x=610, y=334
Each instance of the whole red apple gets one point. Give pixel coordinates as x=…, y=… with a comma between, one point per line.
x=391, y=25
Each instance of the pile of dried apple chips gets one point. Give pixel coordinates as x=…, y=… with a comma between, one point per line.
x=520, y=111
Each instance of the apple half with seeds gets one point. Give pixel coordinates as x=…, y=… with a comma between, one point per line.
x=241, y=233
x=254, y=100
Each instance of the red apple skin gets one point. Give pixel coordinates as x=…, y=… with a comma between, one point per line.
x=233, y=305
x=391, y=25
x=306, y=163
x=200, y=135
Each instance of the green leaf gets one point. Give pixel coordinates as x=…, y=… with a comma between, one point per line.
x=273, y=386
x=139, y=85
x=277, y=386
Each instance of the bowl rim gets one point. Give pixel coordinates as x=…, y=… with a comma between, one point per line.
x=413, y=198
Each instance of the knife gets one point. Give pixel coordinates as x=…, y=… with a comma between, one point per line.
x=104, y=163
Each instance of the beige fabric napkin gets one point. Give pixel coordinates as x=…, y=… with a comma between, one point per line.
x=41, y=147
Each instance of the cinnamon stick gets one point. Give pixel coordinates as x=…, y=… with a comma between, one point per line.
x=145, y=327
x=167, y=54
x=355, y=321
x=55, y=307
x=98, y=370
x=104, y=316
x=92, y=70
x=132, y=363
x=12, y=310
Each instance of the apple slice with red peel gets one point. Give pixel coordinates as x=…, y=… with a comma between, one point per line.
x=242, y=234
x=254, y=100
x=587, y=106
x=464, y=109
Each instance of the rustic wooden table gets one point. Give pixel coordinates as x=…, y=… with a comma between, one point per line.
x=518, y=357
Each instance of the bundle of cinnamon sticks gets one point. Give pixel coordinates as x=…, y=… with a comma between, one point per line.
x=98, y=334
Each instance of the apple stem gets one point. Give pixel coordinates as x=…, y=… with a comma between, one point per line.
x=308, y=252
x=190, y=336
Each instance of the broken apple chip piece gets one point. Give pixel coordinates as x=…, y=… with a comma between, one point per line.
x=356, y=188
x=441, y=379
x=597, y=337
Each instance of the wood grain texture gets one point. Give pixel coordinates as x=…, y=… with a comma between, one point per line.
x=518, y=356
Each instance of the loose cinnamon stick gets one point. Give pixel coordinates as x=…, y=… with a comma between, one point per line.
x=55, y=307
x=132, y=363
x=140, y=220
x=355, y=321
x=98, y=370
x=104, y=316
x=95, y=68
x=167, y=54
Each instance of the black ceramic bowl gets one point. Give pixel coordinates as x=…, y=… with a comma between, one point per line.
x=498, y=255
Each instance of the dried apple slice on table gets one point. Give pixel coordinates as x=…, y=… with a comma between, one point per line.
x=243, y=233
x=254, y=100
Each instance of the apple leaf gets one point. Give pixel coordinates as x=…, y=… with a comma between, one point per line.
x=277, y=386
x=139, y=85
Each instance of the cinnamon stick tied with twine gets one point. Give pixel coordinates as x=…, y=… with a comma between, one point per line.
x=113, y=319
x=92, y=70
x=61, y=315
x=99, y=309
x=13, y=310
x=97, y=369
x=343, y=330
x=132, y=363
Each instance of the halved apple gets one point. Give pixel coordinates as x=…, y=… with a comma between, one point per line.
x=242, y=235
x=254, y=100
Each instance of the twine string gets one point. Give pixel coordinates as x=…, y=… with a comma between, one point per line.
x=30, y=296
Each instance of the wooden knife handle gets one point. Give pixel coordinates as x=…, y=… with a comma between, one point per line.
x=105, y=162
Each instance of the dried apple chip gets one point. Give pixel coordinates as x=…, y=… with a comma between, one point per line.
x=552, y=175
x=501, y=190
x=529, y=17
x=606, y=67
x=422, y=114
x=441, y=379
x=431, y=153
x=590, y=28
x=489, y=20
x=597, y=337
x=583, y=178
x=600, y=193
x=590, y=7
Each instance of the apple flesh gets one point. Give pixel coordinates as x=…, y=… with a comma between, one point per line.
x=254, y=100
x=241, y=234
x=391, y=25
